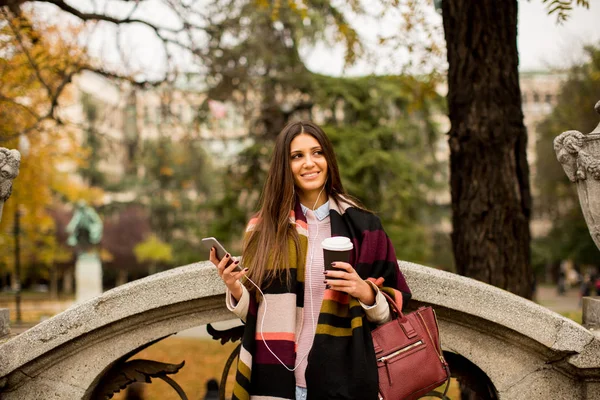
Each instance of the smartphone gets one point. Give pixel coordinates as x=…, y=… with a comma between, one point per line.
x=209, y=242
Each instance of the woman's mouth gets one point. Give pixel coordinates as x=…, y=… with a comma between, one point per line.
x=310, y=175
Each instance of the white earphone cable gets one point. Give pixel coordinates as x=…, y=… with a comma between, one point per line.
x=306, y=274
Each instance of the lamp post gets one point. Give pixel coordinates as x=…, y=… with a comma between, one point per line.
x=17, y=233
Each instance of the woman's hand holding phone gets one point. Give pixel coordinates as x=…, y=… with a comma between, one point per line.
x=230, y=273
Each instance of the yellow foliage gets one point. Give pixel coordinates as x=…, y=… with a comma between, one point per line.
x=36, y=58
x=106, y=256
x=166, y=171
x=153, y=250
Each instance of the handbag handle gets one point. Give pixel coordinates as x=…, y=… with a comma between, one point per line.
x=393, y=304
x=404, y=323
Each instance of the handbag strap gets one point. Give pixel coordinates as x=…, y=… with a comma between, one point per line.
x=438, y=350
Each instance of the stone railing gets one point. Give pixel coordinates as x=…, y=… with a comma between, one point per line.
x=507, y=346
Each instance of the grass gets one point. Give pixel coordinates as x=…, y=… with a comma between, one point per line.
x=34, y=309
x=576, y=316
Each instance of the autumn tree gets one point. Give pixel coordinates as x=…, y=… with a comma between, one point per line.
x=33, y=69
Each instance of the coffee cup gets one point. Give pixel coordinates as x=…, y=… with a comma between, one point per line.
x=337, y=248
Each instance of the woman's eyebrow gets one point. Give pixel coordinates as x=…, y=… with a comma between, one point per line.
x=300, y=151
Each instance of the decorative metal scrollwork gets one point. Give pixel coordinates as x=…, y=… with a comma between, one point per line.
x=229, y=335
x=124, y=373
x=139, y=371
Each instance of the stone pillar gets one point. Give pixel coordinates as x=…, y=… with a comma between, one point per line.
x=88, y=277
x=10, y=160
x=591, y=314
x=85, y=233
x=4, y=322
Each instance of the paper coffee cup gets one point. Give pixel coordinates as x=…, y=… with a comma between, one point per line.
x=336, y=248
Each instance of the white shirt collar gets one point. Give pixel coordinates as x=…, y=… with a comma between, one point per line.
x=321, y=213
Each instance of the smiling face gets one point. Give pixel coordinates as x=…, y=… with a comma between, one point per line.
x=309, y=168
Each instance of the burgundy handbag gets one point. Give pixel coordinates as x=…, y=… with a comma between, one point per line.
x=410, y=362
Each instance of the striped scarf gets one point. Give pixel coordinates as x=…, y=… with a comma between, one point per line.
x=341, y=363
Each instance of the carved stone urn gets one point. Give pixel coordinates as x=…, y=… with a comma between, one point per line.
x=579, y=154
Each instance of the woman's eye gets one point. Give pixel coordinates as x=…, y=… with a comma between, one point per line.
x=295, y=156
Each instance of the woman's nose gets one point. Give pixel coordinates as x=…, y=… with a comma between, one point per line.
x=308, y=161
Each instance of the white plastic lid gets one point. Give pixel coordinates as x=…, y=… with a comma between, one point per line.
x=337, y=243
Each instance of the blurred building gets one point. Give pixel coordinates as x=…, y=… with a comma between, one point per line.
x=539, y=91
x=124, y=116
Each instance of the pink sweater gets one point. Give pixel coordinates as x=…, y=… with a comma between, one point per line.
x=313, y=282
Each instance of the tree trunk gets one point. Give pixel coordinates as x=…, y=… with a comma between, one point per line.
x=489, y=175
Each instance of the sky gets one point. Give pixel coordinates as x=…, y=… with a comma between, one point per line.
x=542, y=43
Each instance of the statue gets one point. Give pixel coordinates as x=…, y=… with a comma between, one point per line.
x=579, y=155
x=85, y=228
x=10, y=160
x=85, y=232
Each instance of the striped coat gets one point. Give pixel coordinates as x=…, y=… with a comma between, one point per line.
x=341, y=363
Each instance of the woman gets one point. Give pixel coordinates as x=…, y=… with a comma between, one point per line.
x=308, y=330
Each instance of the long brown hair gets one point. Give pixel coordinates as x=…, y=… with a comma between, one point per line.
x=268, y=242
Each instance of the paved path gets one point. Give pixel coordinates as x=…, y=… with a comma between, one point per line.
x=547, y=296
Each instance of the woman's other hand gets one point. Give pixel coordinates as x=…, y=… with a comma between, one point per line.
x=350, y=282
x=228, y=274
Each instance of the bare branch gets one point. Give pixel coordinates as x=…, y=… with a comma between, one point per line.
x=113, y=75
x=103, y=17
x=49, y=115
